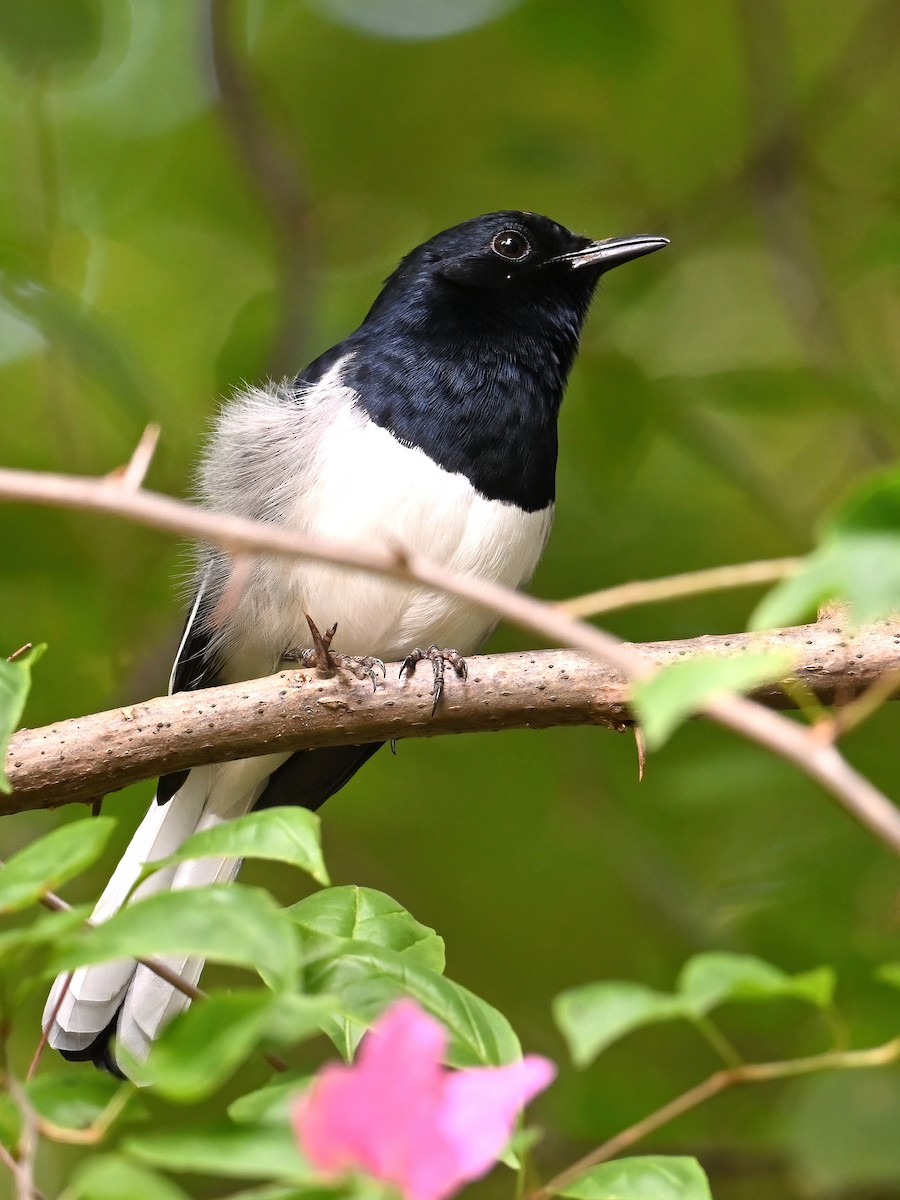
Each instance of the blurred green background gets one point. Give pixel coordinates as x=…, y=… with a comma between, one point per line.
x=196, y=194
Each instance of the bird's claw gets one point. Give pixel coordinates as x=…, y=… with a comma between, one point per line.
x=438, y=659
x=363, y=667
x=326, y=663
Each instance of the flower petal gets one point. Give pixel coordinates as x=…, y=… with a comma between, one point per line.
x=379, y=1114
x=400, y=1116
x=481, y=1105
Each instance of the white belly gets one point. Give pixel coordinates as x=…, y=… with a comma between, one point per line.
x=366, y=487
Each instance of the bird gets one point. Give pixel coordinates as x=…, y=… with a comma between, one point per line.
x=433, y=428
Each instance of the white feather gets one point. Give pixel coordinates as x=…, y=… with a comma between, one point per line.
x=337, y=475
x=315, y=464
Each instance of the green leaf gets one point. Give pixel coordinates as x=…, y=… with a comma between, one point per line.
x=51, y=860
x=410, y=20
x=227, y=923
x=24, y=954
x=857, y=561
x=109, y=1177
x=46, y=930
x=363, y=914
x=863, y=570
x=668, y=697
x=15, y=683
x=889, y=973
x=287, y=835
x=709, y=980
x=592, y=1017
x=71, y=1100
x=269, y=1105
x=356, y=1187
x=653, y=1177
x=367, y=978
x=873, y=507
x=202, y=1047
x=278, y=1192
x=236, y=1151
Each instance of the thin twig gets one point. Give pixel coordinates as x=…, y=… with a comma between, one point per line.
x=789, y=740
x=57, y=904
x=28, y=1141
x=15, y=1169
x=720, y=1081
x=132, y=476
x=98, y=1128
x=42, y=1040
x=853, y=714
x=673, y=587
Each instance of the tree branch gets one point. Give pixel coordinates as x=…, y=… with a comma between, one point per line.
x=81, y=759
x=674, y=587
x=791, y=741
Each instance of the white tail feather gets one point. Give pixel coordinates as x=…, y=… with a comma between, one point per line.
x=92, y=995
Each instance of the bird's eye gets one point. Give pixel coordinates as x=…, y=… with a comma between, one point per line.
x=511, y=244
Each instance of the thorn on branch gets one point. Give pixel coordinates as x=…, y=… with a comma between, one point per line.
x=132, y=475
x=640, y=743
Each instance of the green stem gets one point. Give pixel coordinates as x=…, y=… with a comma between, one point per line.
x=719, y=1042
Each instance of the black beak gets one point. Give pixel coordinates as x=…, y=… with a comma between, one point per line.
x=612, y=252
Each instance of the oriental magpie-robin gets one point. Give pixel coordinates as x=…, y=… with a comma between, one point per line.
x=432, y=427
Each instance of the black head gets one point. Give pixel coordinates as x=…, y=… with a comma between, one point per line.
x=507, y=267
x=466, y=351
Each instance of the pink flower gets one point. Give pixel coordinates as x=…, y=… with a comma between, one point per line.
x=400, y=1115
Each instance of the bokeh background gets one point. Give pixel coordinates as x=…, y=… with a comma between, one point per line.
x=196, y=194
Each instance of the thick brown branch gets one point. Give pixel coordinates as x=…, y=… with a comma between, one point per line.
x=80, y=759
x=818, y=759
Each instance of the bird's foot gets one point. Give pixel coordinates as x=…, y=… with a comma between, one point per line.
x=326, y=663
x=438, y=659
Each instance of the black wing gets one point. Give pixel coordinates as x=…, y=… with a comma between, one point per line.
x=308, y=777
x=193, y=669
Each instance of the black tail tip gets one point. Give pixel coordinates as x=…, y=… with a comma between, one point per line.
x=99, y=1052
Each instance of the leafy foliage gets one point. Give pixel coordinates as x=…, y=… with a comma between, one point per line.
x=44, y=865
x=595, y=1016
x=674, y=693
x=235, y=1151
x=356, y=914
x=229, y=924
x=330, y=963
x=205, y=1045
x=857, y=561
x=287, y=835
x=110, y=1177
x=648, y=1178
x=728, y=393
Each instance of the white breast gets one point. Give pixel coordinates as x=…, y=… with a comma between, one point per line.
x=333, y=473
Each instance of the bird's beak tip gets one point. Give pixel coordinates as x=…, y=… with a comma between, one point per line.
x=612, y=252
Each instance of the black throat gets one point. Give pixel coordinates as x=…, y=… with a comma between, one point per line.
x=479, y=395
